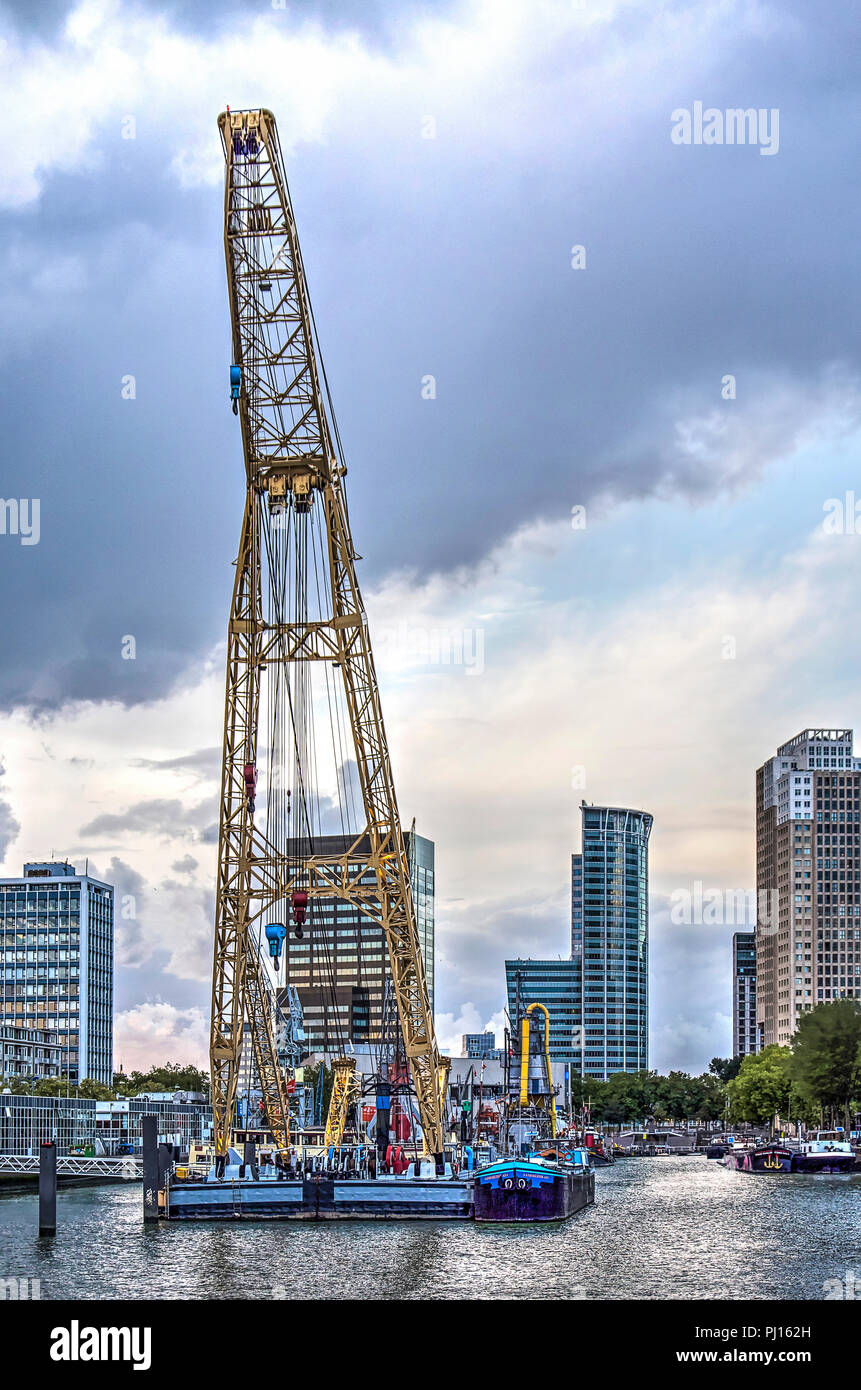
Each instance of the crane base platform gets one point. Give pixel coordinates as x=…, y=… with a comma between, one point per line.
x=319, y=1197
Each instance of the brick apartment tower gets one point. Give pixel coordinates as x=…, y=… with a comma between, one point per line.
x=808, y=879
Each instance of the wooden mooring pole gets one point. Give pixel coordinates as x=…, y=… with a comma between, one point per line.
x=48, y=1189
x=149, y=1132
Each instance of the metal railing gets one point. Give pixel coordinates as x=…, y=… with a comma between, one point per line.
x=128, y=1167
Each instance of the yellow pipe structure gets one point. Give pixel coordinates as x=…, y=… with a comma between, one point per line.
x=524, y=1062
x=444, y=1071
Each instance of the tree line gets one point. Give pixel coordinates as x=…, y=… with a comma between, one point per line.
x=816, y=1080
x=171, y=1076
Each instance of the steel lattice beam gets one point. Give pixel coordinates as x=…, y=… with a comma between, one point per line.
x=288, y=450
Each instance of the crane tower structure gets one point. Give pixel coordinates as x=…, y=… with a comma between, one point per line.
x=298, y=655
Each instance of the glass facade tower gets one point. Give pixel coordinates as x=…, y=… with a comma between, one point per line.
x=744, y=1029
x=610, y=940
x=57, y=964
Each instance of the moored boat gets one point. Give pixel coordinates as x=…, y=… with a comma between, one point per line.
x=769, y=1158
x=533, y=1189
x=827, y=1152
x=735, y=1157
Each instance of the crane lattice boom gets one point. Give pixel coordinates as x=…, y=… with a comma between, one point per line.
x=294, y=475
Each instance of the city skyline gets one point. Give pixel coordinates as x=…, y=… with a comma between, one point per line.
x=634, y=613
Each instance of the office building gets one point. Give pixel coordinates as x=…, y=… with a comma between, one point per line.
x=610, y=940
x=57, y=971
x=478, y=1045
x=340, y=965
x=553, y=984
x=808, y=879
x=29, y=1052
x=105, y=1126
x=744, y=1026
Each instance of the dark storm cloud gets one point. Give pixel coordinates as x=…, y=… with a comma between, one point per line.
x=43, y=18
x=446, y=257
x=130, y=941
x=375, y=19
x=204, y=761
x=186, y=865
x=159, y=816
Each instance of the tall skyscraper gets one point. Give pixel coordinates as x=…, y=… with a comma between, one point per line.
x=340, y=965
x=808, y=879
x=610, y=940
x=744, y=1026
x=57, y=970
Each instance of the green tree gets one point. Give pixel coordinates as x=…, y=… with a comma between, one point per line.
x=93, y=1090
x=622, y=1098
x=762, y=1087
x=826, y=1056
x=725, y=1068
x=676, y=1098
x=19, y=1085
x=708, y=1098
x=171, y=1076
x=311, y=1077
x=53, y=1086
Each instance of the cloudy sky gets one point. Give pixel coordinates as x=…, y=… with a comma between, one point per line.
x=444, y=161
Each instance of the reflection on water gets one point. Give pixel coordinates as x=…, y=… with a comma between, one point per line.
x=674, y=1228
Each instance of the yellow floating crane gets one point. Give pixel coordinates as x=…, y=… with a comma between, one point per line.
x=296, y=608
x=346, y=1091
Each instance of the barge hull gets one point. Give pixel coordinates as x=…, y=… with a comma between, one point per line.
x=521, y=1192
x=321, y=1199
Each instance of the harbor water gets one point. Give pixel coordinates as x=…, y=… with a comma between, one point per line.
x=663, y=1228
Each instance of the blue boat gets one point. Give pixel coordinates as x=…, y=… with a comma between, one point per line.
x=533, y=1189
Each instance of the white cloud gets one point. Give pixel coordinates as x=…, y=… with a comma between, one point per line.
x=451, y=1029
x=155, y=1032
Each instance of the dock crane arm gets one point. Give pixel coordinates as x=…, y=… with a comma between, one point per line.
x=291, y=462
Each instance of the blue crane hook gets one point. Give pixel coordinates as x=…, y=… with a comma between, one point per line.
x=275, y=935
x=235, y=386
